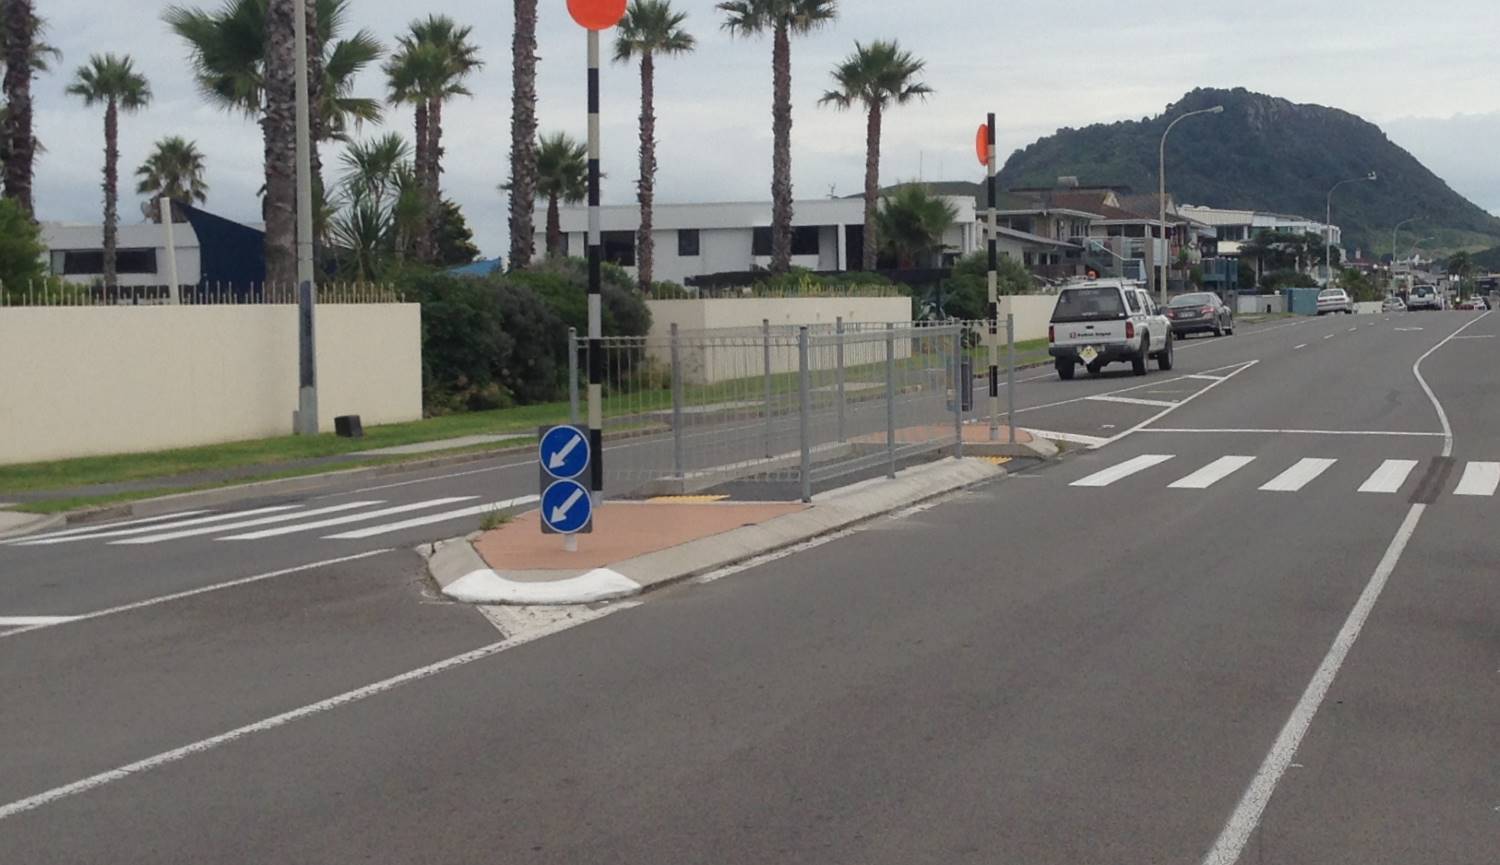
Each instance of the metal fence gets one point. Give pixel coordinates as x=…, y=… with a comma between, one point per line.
x=796, y=405
x=59, y=293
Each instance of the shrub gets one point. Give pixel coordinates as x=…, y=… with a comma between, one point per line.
x=21, y=249
x=563, y=286
x=1277, y=280
x=966, y=294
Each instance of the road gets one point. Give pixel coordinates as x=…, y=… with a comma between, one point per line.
x=1256, y=624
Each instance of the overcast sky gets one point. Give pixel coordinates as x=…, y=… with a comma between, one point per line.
x=1427, y=73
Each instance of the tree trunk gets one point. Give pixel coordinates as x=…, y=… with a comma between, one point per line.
x=20, y=144
x=279, y=124
x=554, y=228
x=433, y=189
x=781, y=152
x=111, y=190
x=523, y=135
x=645, y=243
x=872, y=185
x=318, y=123
x=423, y=124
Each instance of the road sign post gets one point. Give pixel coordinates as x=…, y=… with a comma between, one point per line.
x=564, y=455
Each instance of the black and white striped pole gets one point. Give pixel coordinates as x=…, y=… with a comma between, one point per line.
x=994, y=253
x=594, y=16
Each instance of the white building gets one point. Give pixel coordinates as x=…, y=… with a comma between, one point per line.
x=75, y=252
x=730, y=237
x=1234, y=227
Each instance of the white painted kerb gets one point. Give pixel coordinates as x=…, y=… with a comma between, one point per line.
x=487, y=587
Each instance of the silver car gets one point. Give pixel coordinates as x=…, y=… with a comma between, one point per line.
x=1334, y=300
x=1393, y=304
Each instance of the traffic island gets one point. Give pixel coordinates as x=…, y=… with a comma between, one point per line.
x=640, y=546
x=976, y=440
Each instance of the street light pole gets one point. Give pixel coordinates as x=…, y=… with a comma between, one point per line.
x=1161, y=199
x=1328, y=227
x=1393, y=244
x=307, y=377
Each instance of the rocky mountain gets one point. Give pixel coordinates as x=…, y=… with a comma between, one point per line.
x=1265, y=153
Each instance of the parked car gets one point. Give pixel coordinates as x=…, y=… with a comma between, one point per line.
x=1393, y=304
x=1203, y=312
x=1475, y=303
x=1424, y=297
x=1107, y=321
x=1331, y=300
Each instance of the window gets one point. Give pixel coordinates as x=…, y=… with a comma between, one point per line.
x=804, y=240
x=87, y=262
x=1134, y=299
x=619, y=247
x=687, y=243
x=564, y=248
x=1088, y=304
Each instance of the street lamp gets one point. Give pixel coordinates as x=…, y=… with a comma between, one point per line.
x=1161, y=176
x=1328, y=226
x=1393, y=244
x=307, y=295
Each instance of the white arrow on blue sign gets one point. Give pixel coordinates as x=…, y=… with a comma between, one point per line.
x=566, y=507
x=564, y=452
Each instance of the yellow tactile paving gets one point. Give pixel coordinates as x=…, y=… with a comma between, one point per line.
x=688, y=500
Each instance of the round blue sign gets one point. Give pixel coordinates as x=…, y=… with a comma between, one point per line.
x=564, y=452
x=566, y=507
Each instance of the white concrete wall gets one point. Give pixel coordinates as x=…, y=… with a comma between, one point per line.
x=80, y=381
x=1259, y=304
x=1033, y=313
x=705, y=325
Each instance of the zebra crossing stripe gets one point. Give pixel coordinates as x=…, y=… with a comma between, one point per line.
x=1212, y=473
x=1480, y=479
x=429, y=519
x=1299, y=475
x=243, y=524
x=1389, y=477
x=104, y=527
x=345, y=520
x=140, y=530
x=1123, y=470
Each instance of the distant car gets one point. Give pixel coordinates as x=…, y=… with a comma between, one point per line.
x=1331, y=300
x=1203, y=312
x=1393, y=304
x=1107, y=321
x=1475, y=303
x=1424, y=297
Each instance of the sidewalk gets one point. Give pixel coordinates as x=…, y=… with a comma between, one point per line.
x=641, y=546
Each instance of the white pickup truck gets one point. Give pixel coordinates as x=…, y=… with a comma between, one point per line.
x=1107, y=321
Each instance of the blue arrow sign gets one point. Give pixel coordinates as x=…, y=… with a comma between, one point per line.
x=564, y=452
x=566, y=507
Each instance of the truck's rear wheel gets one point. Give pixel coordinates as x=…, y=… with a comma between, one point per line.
x=1138, y=363
x=1065, y=369
x=1164, y=360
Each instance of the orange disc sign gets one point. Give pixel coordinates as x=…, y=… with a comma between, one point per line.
x=982, y=144
x=597, y=14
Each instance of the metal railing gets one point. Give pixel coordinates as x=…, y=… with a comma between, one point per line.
x=788, y=405
x=58, y=293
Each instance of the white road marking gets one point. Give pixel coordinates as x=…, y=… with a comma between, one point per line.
x=1310, y=432
x=343, y=521
x=1164, y=412
x=139, y=530
x=99, y=527
x=177, y=596
x=1252, y=805
x=1298, y=476
x=1212, y=473
x=1480, y=479
x=1479, y=336
x=92, y=782
x=1389, y=478
x=1330, y=336
x=1406, y=329
x=1353, y=329
x=1072, y=438
x=1123, y=470
x=429, y=519
x=33, y=621
x=1133, y=401
x=243, y=524
x=1206, y=377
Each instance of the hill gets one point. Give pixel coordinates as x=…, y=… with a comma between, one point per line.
x=1265, y=153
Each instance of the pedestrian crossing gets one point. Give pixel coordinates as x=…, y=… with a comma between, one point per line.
x=1274, y=475
x=367, y=518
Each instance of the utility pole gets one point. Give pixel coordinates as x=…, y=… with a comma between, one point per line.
x=1161, y=200
x=307, y=366
x=1328, y=226
x=994, y=288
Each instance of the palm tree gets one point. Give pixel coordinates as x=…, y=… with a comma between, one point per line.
x=23, y=56
x=242, y=58
x=912, y=222
x=174, y=170
x=784, y=18
x=876, y=76
x=562, y=175
x=370, y=167
x=429, y=67
x=650, y=28
x=523, y=155
x=112, y=81
x=1461, y=266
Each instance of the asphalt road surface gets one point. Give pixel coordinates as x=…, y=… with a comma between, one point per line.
x=1258, y=623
